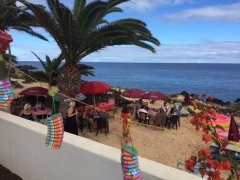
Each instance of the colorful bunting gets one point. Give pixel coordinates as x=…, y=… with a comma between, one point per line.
x=6, y=95
x=130, y=164
x=55, y=131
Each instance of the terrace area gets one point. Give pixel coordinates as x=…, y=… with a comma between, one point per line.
x=23, y=151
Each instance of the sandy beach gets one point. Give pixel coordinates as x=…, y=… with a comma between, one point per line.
x=165, y=146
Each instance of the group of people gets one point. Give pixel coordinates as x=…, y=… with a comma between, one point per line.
x=28, y=111
x=72, y=119
x=87, y=116
x=164, y=113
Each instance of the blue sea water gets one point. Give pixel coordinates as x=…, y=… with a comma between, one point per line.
x=219, y=80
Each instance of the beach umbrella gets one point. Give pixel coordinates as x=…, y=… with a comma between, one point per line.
x=94, y=87
x=155, y=96
x=34, y=91
x=133, y=93
x=233, y=134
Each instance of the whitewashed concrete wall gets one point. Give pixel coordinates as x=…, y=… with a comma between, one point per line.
x=23, y=151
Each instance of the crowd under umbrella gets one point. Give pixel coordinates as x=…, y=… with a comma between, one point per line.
x=133, y=93
x=233, y=134
x=95, y=87
x=155, y=96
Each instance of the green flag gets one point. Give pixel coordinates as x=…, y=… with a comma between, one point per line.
x=1, y=57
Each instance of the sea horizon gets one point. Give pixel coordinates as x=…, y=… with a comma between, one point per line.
x=143, y=62
x=219, y=80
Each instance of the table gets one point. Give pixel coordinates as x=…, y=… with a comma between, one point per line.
x=105, y=106
x=39, y=112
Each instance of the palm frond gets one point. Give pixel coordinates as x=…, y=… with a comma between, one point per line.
x=85, y=29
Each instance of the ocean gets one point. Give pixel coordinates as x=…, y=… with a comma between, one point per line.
x=219, y=80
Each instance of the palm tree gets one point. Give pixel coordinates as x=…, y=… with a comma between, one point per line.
x=84, y=30
x=17, y=18
x=54, y=66
x=49, y=66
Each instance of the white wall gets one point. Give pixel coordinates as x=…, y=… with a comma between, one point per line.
x=23, y=151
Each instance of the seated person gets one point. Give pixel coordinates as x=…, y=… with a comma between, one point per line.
x=84, y=119
x=160, y=119
x=92, y=117
x=143, y=115
x=27, y=112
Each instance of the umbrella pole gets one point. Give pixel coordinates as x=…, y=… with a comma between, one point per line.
x=94, y=102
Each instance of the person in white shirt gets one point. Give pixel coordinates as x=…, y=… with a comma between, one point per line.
x=142, y=114
x=165, y=107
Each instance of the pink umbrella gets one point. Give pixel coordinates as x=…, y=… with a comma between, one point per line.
x=133, y=93
x=154, y=96
x=34, y=91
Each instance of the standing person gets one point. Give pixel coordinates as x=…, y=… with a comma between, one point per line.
x=187, y=100
x=165, y=107
x=126, y=120
x=71, y=120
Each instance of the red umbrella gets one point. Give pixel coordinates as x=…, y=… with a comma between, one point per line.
x=95, y=87
x=34, y=91
x=5, y=39
x=233, y=134
x=133, y=93
x=154, y=96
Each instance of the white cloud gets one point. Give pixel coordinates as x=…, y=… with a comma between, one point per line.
x=207, y=52
x=139, y=5
x=225, y=52
x=221, y=12
x=144, y=5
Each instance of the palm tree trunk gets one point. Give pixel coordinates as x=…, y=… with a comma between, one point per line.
x=9, y=61
x=2, y=70
x=68, y=78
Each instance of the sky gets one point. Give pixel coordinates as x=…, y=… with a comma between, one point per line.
x=190, y=31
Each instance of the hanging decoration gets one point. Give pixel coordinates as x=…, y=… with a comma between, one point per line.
x=55, y=131
x=6, y=95
x=130, y=165
x=5, y=39
x=55, y=124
